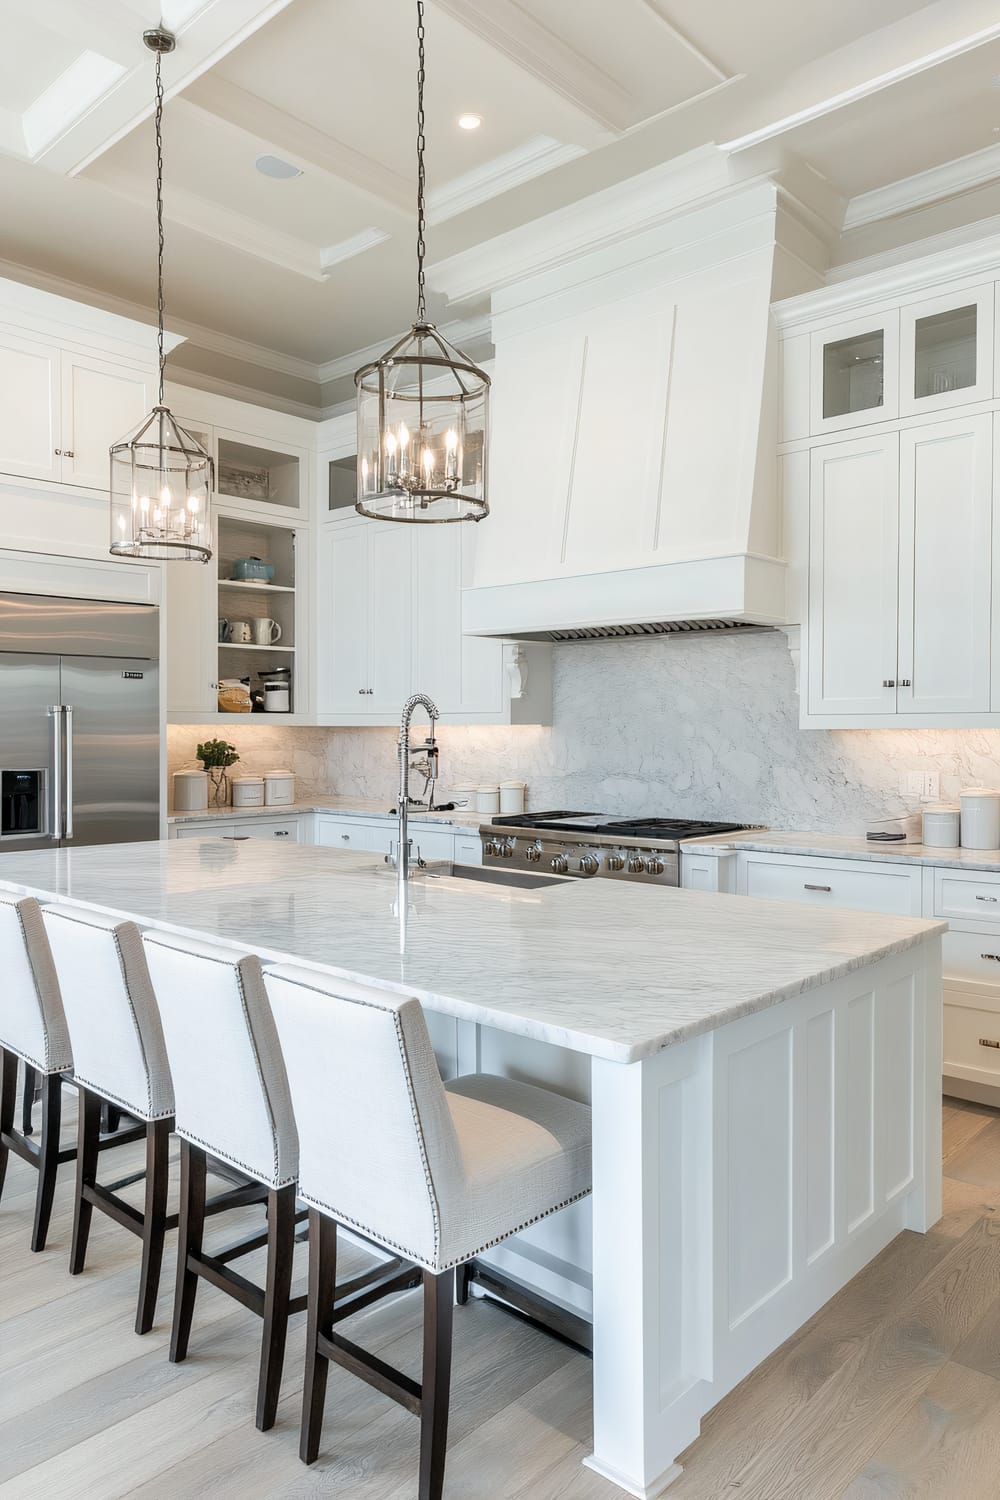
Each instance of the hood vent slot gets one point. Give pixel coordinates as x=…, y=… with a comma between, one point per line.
x=636, y=632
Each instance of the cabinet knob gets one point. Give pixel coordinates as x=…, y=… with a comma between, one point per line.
x=905, y=682
x=64, y=453
x=346, y=837
x=888, y=682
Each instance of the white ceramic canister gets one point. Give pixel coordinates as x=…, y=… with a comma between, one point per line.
x=248, y=791
x=464, y=793
x=980, y=818
x=190, y=791
x=279, y=788
x=487, y=799
x=512, y=797
x=942, y=825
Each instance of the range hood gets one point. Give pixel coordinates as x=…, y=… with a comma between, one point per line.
x=633, y=483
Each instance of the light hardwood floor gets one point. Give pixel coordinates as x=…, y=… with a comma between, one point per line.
x=891, y=1391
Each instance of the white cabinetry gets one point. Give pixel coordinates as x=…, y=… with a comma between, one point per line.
x=380, y=835
x=390, y=624
x=62, y=410
x=900, y=577
x=284, y=830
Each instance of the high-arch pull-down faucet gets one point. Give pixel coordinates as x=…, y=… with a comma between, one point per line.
x=429, y=750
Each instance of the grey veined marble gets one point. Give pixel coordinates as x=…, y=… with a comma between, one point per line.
x=617, y=972
x=703, y=727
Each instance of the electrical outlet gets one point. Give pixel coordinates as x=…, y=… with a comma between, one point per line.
x=932, y=786
x=915, y=784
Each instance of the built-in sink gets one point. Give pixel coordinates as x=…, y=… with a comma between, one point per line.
x=522, y=880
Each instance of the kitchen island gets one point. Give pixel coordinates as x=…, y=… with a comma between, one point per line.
x=764, y=1081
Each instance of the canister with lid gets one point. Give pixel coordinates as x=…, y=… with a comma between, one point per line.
x=279, y=788
x=488, y=799
x=942, y=825
x=980, y=818
x=511, y=797
x=248, y=791
x=190, y=791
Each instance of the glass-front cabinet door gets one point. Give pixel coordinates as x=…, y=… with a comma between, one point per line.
x=854, y=376
x=946, y=351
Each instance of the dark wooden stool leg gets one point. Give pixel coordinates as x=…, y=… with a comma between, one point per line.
x=88, y=1134
x=154, y=1220
x=8, y=1104
x=277, y=1289
x=322, y=1288
x=463, y=1277
x=48, y=1158
x=28, y=1100
x=190, y=1236
x=439, y=1296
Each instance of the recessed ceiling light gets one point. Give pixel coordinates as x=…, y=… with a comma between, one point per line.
x=469, y=122
x=276, y=166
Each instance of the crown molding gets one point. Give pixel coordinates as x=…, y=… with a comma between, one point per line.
x=355, y=244
x=949, y=257
x=198, y=380
x=540, y=154
x=952, y=178
x=658, y=12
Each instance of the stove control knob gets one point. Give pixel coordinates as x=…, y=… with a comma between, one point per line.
x=533, y=853
x=616, y=861
x=560, y=864
x=636, y=864
x=507, y=848
x=491, y=846
x=654, y=865
x=590, y=864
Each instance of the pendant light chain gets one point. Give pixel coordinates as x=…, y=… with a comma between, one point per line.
x=159, y=223
x=421, y=176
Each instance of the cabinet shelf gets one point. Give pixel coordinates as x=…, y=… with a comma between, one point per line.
x=256, y=586
x=247, y=646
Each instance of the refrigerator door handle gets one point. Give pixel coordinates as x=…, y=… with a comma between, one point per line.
x=68, y=815
x=56, y=803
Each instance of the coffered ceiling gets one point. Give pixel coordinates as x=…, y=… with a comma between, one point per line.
x=277, y=284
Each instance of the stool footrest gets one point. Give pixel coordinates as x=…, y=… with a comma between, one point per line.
x=513, y=1294
x=392, y=1383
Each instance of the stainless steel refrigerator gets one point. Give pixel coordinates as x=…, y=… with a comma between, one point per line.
x=79, y=722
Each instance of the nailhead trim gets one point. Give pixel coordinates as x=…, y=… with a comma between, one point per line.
x=234, y=1161
x=39, y=1067
x=104, y=1092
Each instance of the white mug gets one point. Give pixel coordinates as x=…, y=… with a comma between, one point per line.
x=240, y=632
x=266, y=632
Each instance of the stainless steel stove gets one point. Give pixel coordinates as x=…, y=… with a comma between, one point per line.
x=594, y=844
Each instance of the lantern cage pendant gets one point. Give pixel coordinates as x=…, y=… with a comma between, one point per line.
x=162, y=477
x=423, y=406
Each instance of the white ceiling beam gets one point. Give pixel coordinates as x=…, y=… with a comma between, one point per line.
x=657, y=9
x=963, y=175
x=301, y=143
x=510, y=29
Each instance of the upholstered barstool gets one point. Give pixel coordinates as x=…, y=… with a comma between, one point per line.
x=32, y=1029
x=231, y=1104
x=119, y=1059
x=436, y=1172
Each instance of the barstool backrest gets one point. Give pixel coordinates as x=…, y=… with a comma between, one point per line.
x=114, y=1025
x=32, y=1022
x=377, y=1146
x=231, y=1092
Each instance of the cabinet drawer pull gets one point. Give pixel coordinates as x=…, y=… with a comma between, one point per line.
x=993, y=899
x=281, y=833
x=984, y=1041
x=809, y=887
x=346, y=836
x=888, y=682
x=905, y=682
x=995, y=957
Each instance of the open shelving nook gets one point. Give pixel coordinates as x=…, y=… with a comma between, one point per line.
x=248, y=602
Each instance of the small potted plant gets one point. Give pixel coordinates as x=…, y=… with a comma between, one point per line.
x=217, y=756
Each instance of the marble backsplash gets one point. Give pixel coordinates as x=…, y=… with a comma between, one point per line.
x=696, y=727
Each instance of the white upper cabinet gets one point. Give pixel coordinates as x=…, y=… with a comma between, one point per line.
x=854, y=373
x=29, y=410
x=946, y=351
x=344, y=608
x=945, y=504
x=62, y=410
x=101, y=403
x=462, y=671
x=853, y=578
x=389, y=623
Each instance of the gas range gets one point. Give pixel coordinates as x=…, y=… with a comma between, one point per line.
x=594, y=844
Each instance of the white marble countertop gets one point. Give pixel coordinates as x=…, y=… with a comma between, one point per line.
x=848, y=846
x=614, y=971
x=350, y=807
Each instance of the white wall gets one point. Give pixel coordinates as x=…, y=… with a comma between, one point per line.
x=699, y=727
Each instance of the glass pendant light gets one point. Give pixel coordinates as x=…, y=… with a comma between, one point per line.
x=423, y=407
x=161, y=475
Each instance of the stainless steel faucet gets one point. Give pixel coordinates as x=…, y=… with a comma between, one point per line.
x=429, y=750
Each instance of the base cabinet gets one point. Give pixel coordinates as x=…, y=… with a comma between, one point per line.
x=284, y=830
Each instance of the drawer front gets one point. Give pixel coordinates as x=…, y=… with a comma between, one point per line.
x=957, y=894
x=834, y=883
x=468, y=851
x=334, y=833
x=429, y=845
x=972, y=1043
x=282, y=833
x=972, y=957
x=214, y=830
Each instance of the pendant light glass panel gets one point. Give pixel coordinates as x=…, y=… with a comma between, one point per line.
x=161, y=490
x=422, y=432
